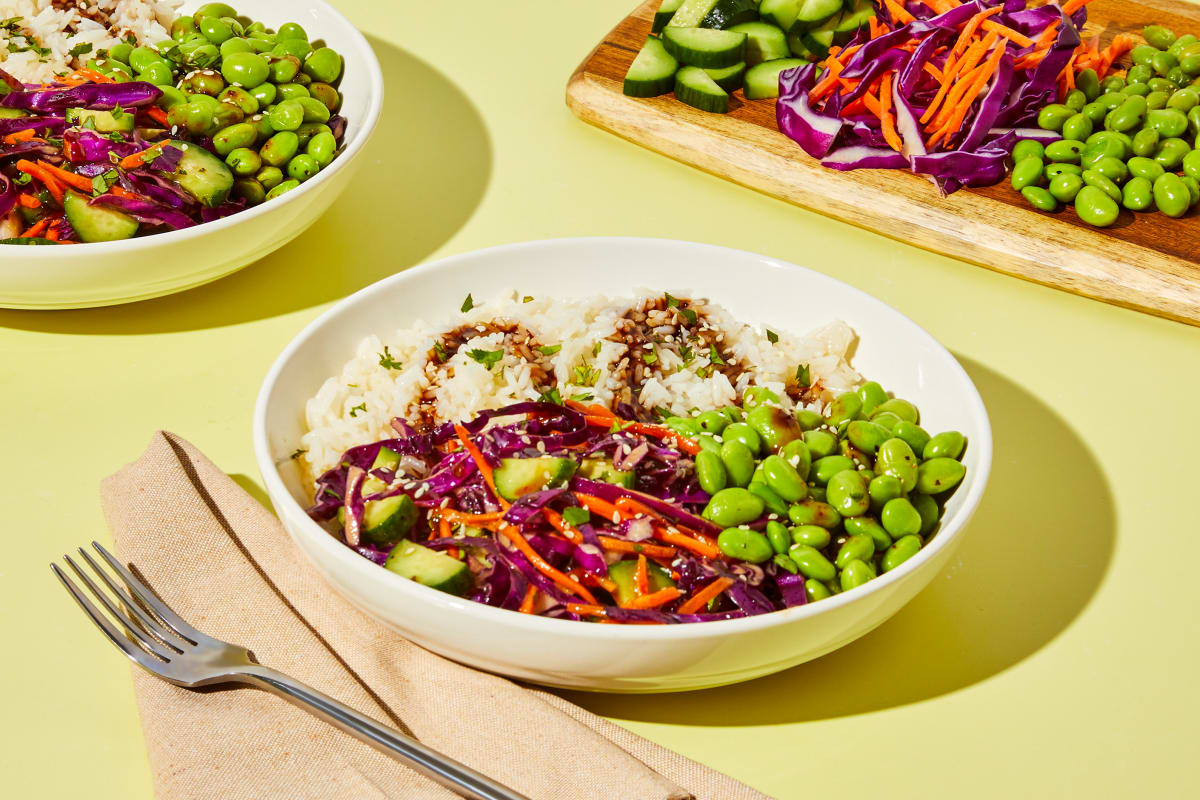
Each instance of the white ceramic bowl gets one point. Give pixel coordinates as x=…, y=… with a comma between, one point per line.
x=106, y=273
x=892, y=350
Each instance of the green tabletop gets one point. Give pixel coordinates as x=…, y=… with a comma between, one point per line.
x=1056, y=657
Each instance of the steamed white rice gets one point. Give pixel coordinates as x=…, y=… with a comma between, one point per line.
x=357, y=406
x=38, y=37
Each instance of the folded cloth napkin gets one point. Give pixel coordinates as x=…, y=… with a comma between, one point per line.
x=226, y=565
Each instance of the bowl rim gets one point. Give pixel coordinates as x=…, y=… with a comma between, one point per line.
x=331, y=548
x=374, y=87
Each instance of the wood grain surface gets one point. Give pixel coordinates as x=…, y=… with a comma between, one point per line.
x=1145, y=261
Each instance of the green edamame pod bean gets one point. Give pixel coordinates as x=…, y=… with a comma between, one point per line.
x=1021, y=150
x=1171, y=152
x=1167, y=121
x=755, y=396
x=249, y=190
x=1094, y=206
x=847, y=492
x=280, y=148
x=710, y=472
x=774, y=426
x=265, y=94
x=812, y=563
x=1079, y=126
x=902, y=550
x=291, y=30
x=684, y=426
x=1065, y=187
x=773, y=503
x=329, y=97
x=883, y=488
x=1178, y=77
x=1171, y=195
x=181, y=28
x=291, y=91
x=706, y=441
x=1143, y=54
x=1193, y=187
x=865, y=526
x=1095, y=111
x=1052, y=116
x=928, y=508
x=214, y=10
x=741, y=432
x=886, y=419
x=915, y=435
x=1159, y=85
x=239, y=97
x=1157, y=100
x=897, y=459
x=1158, y=36
x=236, y=136
x=900, y=518
x=1095, y=179
x=292, y=47
x=1185, y=41
x=1136, y=90
x=1138, y=74
x=1075, y=99
x=286, y=116
x=1184, y=100
x=855, y=574
x=797, y=454
x=1111, y=100
x=1189, y=62
x=282, y=188
x=814, y=512
x=1128, y=115
x=745, y=544
x=170, y=98
x=1067, y=151
x=283, y=68
x=947, y=444
x=738, y=462
x=1163, y=62
x=1137, y=194
x=1039, y=198
x=871, y=393
x=1027, y=172
x=1112, y=168
x=901, y=408
x=1148, y=168
x=808, y=419
x=324, y=65
x=269, y=177
x=783, y=479
x=247, y=70
x=811, y=535
x=1145, y=142
x=1054, y=170
x=1088, y=82
x=733, y=506
x=712, y=422
x=243, y=161
x=784, y=562
x=824, y=469
x=237, y=44
x=1113, y=83
x=157, y=73
x=195, y=118
x=861, y=548
x=845, y=407
x=820, y=443
x=939, y=475
x=816, y=590
x=1191, y=164
x=867, y=436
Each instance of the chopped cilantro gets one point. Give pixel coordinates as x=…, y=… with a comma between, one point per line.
x=386, y=361
x=583, y=397
x=489, y=358
x=527, y=298
x=663, y=412
x=596, y=348
x=550, y=349
x=689, y=315
x=576, y=516
x=772, y=336
x=360, y=407
x=686, y=354
x=468, y=304
x=672, y=302
x=80, y=49
x=296, y=454
x=586, y=375
x=440, y=351
x=802, y=375
x=551, y=396
x=23, y=178
x=649, y=357
x=714, y=355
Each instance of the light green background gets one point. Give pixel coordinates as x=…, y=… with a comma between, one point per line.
x=1057, y=657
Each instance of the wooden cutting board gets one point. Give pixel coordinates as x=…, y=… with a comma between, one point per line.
x=1145, y=261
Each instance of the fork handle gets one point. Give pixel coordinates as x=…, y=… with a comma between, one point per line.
x=456, y=777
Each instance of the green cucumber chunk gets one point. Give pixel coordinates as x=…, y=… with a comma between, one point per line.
x=727, y=13
x=12, y=113
x=781, y=13
x=813, y=12
x=819, y=39
x=101, y=121
x=429, y=568
x=704, y=47
x=728, y=78
x=624, y=574
x=202, y=175
x=665, y=11
x=384, y=459
x=652, y=72
x=97, y=223
x=601, y=469
x=764, y=42
x=389, y=520
x=517, y=476
x=859, y=14
x=694, y=87
x=799, y=49
x=691, y=13
x=762, y=80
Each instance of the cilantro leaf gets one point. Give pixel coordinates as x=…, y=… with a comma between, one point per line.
x=802, y=375
x=672, y=302
x=386, y=361
x=714, y=355
x=440, y=351
x=489, y=358
x=689, y=315
x=772, y=336
x=576, y=516
x=649, y=357
x=527, y=298
x=583, y=397
x=360, y=407
x=551, y=396
x=468, y=304
x=80, y=49
x=550, y=349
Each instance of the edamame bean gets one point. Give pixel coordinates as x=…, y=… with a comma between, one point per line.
x=1145, y=142
x=861, y=548
x=291, y=91
x=233, y=137
x=1193, y=187
x=1113, y=83
x=1167, y=121
x=808, y=419
x=1054, y=170
x=1094, y=206
x=291, y=30
x=1137, y=194
x=871, y=393
x=214, y=10
x=901, y=408
x=784, y=562
x=811, y=535
x=215, y=29
x=1163, y=62
x=1171, y=152
x=812, y=563
x=170, y=98
x=1021, y=150
x=1110, y=100
x=866, y=526
x=1126, y=116
x=845, y=407
x=855, y=574
x=1096, y=112
x=1136, y=90
x=886, y=419
x=823, y=469
x=195, y=118
x=897, y=459
x=914, y=434
x=814, y=512
x=816, y=590
x=239, y=97
x=282, y=188
x=235, y=45
x=883, y=488
x=741, y=432
x=243, y=161
x=1079, y=126
x=279, y=149
x=1075, y=99
x=733, y=506
x=712, y=422
x=1183, y=42
x=745, y=544
x=1143, y=54
x=939, y=475
x=269, y=177
x=1065, y=187
x=1027, y=172
x=1159, y=85
x=1147, y=168
x=847, y=492
x=284, y=68
x=1158, y=36
x=1067, y=151
x=753, y=397
x=684, y=426
x=902, y=550
x=710, y=470
x=1184, y=100
x=1093, y=178
x=330, y=98
x=1089, y=83
x=773, y=503
x=1052, y=116
x=158, y=73
x=783, y=479
x=324, y=65
x=227, y=114
x=1039, y=198
x=928, y=508
x=1171, y=195
x=292, y=47
x=286, y=116
x=867, y=436
x=900, y=518
x=947, y=444
x=774, y=426
x=1157, y=100
x=820, y=443
x=797, y=454
x=737, y=460
x=249, y=190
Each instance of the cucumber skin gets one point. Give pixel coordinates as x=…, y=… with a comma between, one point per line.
x=751, y=79
x=731, y=82
x=698, y=99
x=651, y=86
x=663, y=15
x=706, y=60
x=727, y=13
x=764, y=42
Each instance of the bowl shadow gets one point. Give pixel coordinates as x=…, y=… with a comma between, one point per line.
x=1038, y=549
x=419, y=180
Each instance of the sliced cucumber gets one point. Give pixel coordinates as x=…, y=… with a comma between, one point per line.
x=813, y=12
x=601, y=469
x=762, y=80
x=517, y=476
x=12, y=113
x=429, y=568
x=845, y=28
x=781, y=13
x=97, y=223
x=202, y=174
x=859, y=13
x=102, y=121
x=691, y=13
x=665, y=11
x=820, y=39
x=705, y=47
x=652, y=72
x=727, y=13
x=694, y=87
x=624, y=575
x=728, y=78
x=389, y=520
x=764, y=42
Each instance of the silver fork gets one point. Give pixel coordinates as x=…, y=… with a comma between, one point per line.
x=157, y=639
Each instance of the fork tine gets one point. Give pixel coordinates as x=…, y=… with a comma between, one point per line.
x=134, y=630
x=152, y=626
x=135, y=654
x=150, y=601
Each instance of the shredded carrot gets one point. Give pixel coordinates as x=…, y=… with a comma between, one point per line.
x=29, y=201
x=1071, y=6
x=19, y=136
x=585, y=609
x=641, y=577
x=464, y=518
x=542, y=566
x=969, y=29
x=485, y=469
x=35, y=229
x=898, y=13
x=29, y=168
x=827, y=83
x=654, y=599
x=1016, y=37
x=700, y=599
x=559, y=524
x=934, y=71
x=956, y=119
x=890, y=134
x=646, y=429
x=91, y=75
x=526, y=606
x=687, y=542
x=600, y=507
x=622, y=546
x=70, y=178
x=52, y=233
x=140, y=158
x=444, y=528
x=874, y=28
x=157, y=114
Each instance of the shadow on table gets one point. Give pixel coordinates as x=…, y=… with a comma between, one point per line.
x=1036, y=552
x=420, y=179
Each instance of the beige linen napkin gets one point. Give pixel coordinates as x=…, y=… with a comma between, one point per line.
x=225, y=564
